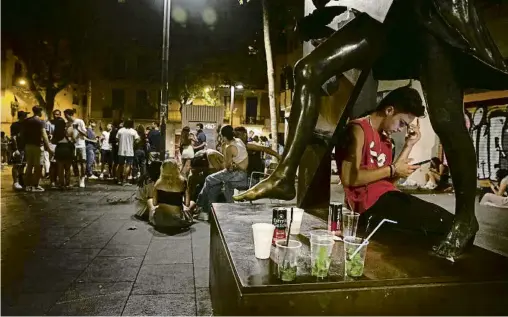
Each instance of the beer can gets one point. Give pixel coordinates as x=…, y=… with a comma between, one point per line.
x=334, y=217
x=280, y=221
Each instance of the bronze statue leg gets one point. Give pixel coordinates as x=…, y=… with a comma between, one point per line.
x=356, y=45
x=444, y=97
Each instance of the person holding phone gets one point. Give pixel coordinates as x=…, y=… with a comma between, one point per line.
x=438, y=175
x=498, y=197
x=368, y=172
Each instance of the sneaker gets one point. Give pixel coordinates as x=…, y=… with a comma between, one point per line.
x=93, y=177
x=37, y=189
x=101, y=176
x=130, y=177
x=53, y=185
x=203, y=216
x=17, y=186
x=28, y=188
x=82, y=182
x=127, y=184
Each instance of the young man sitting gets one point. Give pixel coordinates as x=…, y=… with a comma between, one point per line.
x=368, y=172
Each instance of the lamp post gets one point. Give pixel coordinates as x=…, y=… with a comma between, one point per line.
x=163, y=106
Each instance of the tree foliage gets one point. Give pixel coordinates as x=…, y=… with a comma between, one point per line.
x=51, y=39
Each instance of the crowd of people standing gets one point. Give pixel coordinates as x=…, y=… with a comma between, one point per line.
x=64, y=145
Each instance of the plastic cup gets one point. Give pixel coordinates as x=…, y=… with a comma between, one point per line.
x=354, y=266
x=349, y=223
x=297, y=220
x=287, y=258
x=263, y=234
x=321, y=247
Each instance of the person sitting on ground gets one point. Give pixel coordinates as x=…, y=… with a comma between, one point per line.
x=499, y=196
x=144, y=195
x=167, y=208
x=438, y=175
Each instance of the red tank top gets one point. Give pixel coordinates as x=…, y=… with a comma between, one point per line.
x=376, y=153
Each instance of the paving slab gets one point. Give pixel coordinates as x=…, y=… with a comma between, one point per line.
x=93, y=299
x=169, y=252
x=112, y=269
x=161, y=305
x=164, y=279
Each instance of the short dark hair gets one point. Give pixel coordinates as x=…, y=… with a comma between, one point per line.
x=227, y=132
x=156, y=123
x=37, y=110
x=57, y=110
x=241, y=130
x=404, y=99
x=501, y=173
x=129, y=124
x=91, y=121
x=200, y=125
x=69, y=112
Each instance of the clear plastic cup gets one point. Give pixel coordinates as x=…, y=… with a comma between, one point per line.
x=321, y=247
x=354, y=266
x=349, y=223
x=287, y=258
x=263, y=234
x=297, y=220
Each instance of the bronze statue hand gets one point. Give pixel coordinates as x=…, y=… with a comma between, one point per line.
x=461, y=235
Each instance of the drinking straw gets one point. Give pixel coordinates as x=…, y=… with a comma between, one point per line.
x=287, y=239
x=370, y=236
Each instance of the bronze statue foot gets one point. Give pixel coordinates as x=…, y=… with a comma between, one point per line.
x=461, y=236
x=272, y=187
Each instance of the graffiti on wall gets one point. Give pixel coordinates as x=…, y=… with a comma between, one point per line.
x=488, y=127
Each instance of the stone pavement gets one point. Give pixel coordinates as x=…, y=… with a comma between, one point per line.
x=75, y=253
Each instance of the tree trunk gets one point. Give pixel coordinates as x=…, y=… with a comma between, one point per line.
x=50, y=101
x=271, y=76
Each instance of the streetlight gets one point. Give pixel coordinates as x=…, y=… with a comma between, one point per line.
x=163, y=106
x=22, y=82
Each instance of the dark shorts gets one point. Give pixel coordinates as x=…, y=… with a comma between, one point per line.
x=125, y=159
x=64, y=152
x=114, y=154
x=106, y=156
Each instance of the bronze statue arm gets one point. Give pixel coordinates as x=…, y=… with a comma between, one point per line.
x=351, y=174
x=260, y=148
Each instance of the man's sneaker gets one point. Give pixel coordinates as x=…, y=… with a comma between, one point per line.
x=101, y=176
x=28, y=188
x=17, y=186
x=203, y=216
x=53, y=185
x=37, y=189
x=82, y=182
x=93, y=177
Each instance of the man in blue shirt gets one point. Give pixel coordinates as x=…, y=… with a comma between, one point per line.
x=201, y=143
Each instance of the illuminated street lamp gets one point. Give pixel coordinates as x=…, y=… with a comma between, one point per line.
x=22, y=82
x=232, y=87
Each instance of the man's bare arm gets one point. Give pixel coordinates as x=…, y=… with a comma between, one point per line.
x=231, y=151
x=352, y=174
x=261, y=148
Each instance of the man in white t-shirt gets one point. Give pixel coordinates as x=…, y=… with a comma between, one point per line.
x=79, y=130
x=106, y=155
x=126, y=137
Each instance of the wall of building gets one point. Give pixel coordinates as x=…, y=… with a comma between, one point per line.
x=16, y=97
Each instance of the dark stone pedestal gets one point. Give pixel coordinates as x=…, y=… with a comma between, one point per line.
x=401, y=276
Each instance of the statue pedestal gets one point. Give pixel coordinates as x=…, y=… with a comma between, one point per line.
x=401, y=277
